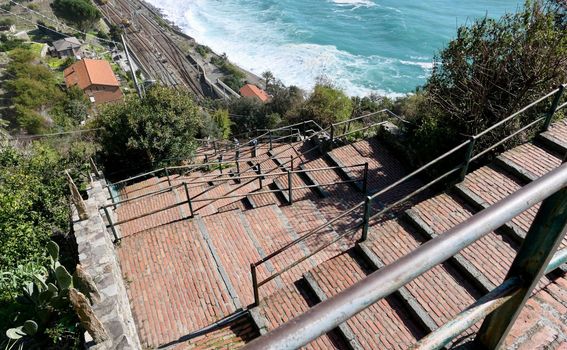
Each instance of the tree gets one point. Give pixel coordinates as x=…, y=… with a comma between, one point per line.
x=496, y=67
x=156, y=131
x=81, y=12
x=327, y=105
x=490, y=70
x=222, y=120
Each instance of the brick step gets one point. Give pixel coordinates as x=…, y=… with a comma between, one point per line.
x=487, y=186
x=383, y=170
x=233, y=335
x=528, y=161
x=328, y=180
x=298, y=192
x=235, y=247
x=434, y=297
x=484, y=262
x=303, y=217
x=289, y=302
x=384, y=325
x=242, y=238
x=139, y=188
x=259, y=199
x=133, y=209
x=174, y=283
x=556, y=137
x=344, y=157
x=270, y=231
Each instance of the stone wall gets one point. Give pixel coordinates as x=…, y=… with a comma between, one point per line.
x=98, y=258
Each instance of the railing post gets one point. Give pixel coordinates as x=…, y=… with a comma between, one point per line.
x=76, y=198
x=188, y=199
x=270, y=136
x=553, y=108
x=238, y=166
x=112, y=228
x=111, y=195
x=365, y=181
x=289, y=189
x=167, y=174
x=207, y=162
x=291, y=162
x=259, y=171
x=220, y=163
x=255, y=284
x=215, y=146
x=542, y=240
x=366, y=218
x=332, y=134
x=94, y=168
x=468, y=156
x=254, y=150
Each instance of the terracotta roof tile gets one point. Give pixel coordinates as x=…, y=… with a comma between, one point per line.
x=89, y=72
x=250, y=90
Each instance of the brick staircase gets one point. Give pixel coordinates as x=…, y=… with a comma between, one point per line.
x=184, y=274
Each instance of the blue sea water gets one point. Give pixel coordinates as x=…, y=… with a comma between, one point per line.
x=363, y=46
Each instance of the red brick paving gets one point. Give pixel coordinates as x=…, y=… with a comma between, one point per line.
x=286, y=304
x=438, y=291
x=382, y=325
x=172, y=282
x=232, y=336
x=532, y=158
x=149, y=256
x=492, y=255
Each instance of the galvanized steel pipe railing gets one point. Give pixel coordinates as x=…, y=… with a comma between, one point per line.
x=330, y=313
x=470, y=156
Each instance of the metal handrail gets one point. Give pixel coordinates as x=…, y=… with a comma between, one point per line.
x=346, y=132
x=233, y=178
x=242, y=145
x=413, y=175
x=190, y=200
x=331, y=312
x=480, y=309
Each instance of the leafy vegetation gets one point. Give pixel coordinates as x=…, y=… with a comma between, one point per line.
x=492, y=69
x=326, y=105
x=46, y=319
x=80, y=12
x=155, y=131
x=233, y=76
x=38, y=101
x=34, y=210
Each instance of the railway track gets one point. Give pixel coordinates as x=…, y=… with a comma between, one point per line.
x=160, y=56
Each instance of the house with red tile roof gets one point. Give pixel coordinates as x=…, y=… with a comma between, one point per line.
x=253, y=91
x=96, y=79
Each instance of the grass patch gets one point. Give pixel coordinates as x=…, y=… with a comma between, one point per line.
x=36, y=48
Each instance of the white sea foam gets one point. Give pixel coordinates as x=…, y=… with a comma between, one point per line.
x=267, y=43
x=424, y=65
x=354, y=3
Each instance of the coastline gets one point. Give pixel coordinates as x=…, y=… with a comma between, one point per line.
x=183, y=39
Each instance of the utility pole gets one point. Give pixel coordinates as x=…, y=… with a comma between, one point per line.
x=131, y=67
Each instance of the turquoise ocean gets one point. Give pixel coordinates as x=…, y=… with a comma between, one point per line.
x=363, y=46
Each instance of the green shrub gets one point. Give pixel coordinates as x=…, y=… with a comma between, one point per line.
x=140, y=135
x=490, y=70
x=80, y=12
x=326, y=105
